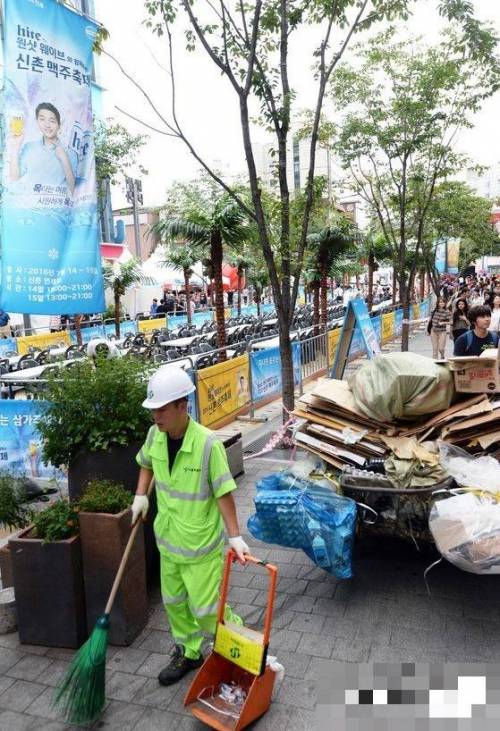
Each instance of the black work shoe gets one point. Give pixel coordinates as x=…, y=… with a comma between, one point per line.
x=179, y=666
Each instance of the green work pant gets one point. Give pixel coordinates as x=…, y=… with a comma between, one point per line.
x=190, y=593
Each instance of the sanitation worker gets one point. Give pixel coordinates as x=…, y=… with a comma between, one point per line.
x=194, y=493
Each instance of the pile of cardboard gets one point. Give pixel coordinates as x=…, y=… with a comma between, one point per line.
x=332, y=426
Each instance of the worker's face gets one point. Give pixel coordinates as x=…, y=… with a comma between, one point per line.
x=170, y=416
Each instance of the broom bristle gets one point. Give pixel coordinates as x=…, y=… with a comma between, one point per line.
x=81, y=693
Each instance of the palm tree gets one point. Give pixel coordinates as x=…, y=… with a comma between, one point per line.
x=241, y=264
x=375, y=250
x=119, y=276
x=258, y=277
x=183, y=258
x=207, y=226
x=328, y=244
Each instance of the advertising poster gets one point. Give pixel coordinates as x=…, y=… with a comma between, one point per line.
x=20, y=442
x=223, y=389
x=377, y=326
x=333, y=339
x=8, y=345
x=192, y=410
x=266, y=371
x=127, y=327
x=88, y=333
x=387, y=326
x=364, y=323
x=51, y=262
x=398, y=322
x=441, y=256
x=25, y=342
x=452, y=256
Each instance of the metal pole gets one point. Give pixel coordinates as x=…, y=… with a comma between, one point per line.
x=137, y=228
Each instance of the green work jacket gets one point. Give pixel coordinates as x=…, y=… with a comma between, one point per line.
x=189, y=525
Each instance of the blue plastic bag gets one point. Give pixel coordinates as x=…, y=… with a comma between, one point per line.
x=297, y=513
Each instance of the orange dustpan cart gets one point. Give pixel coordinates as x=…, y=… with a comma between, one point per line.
x=237, y=660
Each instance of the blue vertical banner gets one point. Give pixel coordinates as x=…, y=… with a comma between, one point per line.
x=51, y=261
x=398, y=321
x=266, y=371
x=20, y=440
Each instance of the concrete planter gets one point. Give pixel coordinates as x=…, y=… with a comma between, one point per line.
x=48, y=583
x=6, y=567
x=117, y=464
x=103, y=538
x=8, y=618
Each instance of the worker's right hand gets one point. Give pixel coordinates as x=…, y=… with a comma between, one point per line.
x=139, y=507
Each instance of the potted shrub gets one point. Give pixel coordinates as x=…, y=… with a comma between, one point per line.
x=104, y=518
x=48, y=579
x=94, y=423
x=14, y=515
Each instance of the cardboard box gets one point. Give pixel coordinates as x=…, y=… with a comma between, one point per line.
x=480, y=374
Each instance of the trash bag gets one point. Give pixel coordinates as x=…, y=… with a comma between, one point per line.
x=401, y=386
x=469, y=471
x=466, y=529
x=296, y=512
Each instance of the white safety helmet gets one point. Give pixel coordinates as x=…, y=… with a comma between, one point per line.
x=100, y=346
x=168, y=384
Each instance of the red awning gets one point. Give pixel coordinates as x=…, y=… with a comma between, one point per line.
x=111, y=251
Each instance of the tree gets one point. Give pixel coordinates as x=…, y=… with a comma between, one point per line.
x=328, y=244
x=456, y=212
x=241, y=262
x=207, y=218
x=402, y=109
x=250, y=44
x=116, y=151
x=183, y=258
x=118, y=277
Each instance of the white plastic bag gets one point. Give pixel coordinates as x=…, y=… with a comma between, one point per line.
x=466, y=529
x=482, y=473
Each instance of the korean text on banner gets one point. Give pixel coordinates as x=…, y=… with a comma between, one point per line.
x=25, y=342
x=20, y=442
x=388, y=326
x=146, y=326
x=266, y=371
x=223, y=390
x=51, y=261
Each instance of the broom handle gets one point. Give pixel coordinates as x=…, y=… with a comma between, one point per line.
x=126, y=554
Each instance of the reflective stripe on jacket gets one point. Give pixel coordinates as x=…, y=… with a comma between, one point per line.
x=189, y=525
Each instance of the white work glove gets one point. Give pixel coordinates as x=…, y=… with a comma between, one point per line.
x=139, y=506
x=239, y=547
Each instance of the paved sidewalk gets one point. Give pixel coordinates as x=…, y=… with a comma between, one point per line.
x=382, y=614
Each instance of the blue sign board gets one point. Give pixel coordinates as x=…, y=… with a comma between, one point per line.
x=20, y=441
x=266, y=371
x=398, y=321
x=357, y=335
x=51, y=261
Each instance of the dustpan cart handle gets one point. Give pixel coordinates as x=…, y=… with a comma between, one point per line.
x=273, y=575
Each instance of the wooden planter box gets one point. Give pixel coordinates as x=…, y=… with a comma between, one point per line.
x=6, y=567
x=48, y=583
x=117, y=464
x=103, y=538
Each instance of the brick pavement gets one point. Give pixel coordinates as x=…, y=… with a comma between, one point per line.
x=383, y=614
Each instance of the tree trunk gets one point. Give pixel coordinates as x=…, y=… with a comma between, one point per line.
x=395, y=286
x=324, y=297
x=257, y=302
x=117, y=313
x=239, y=293
x=422, y=284
x=216, y=254
x=404, y=293
x=287, y=385
x=371, y=264
x=315, y=289
x=188, y=295
x=78, y=332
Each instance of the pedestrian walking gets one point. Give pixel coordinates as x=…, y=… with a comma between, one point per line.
x=154, y=307
x=495, y=314
x=437, y=326
x=459, y=320
x=193, y=492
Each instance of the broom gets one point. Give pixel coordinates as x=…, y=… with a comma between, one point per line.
x=81, y=693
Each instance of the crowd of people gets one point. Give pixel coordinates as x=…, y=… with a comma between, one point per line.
x=468, y=311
